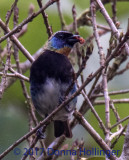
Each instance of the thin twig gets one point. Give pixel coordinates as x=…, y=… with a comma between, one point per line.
x=45, y=18
x=125, y=151
x=101, y=102
x=23, y=30
x=94, y=84
x=115, y=113
x=16, y=75
x=17, y=42
x=118, y=133
x=121, y=132
x=122, y=120
x=108, y=19
x=123, y=70
x=55, y=146
x=62, y=21
x=6, y=67
x=94, y=112
x=114, y=10
x=10, y=12
x=32, y=146
x=112, y=93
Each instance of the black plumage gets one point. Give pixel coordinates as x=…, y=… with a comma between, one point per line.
x=54, y=66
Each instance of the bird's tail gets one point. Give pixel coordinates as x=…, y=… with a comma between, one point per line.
x=62, y=127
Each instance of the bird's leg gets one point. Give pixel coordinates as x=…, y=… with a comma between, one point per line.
x=41, y=132
x=67, y=107
x=61, y=99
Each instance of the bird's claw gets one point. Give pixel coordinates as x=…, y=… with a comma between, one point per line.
x=67, y=107
x=61, y=99
x=40, y=134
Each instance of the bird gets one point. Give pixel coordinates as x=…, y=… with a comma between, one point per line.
x=51, y=74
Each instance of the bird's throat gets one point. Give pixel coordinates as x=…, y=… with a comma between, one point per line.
x=65, y=51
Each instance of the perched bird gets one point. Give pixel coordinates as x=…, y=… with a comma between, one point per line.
x=50, y=76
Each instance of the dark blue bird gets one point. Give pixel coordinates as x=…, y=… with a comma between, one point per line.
x=51, y=75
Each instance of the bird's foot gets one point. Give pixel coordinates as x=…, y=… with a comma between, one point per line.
x=40, y=133
x=61, y=99
x=67, y=107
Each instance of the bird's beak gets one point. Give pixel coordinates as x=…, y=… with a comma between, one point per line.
x=75, y=39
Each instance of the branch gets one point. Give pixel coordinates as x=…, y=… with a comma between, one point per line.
x=16, y=42
x=94, y=134
x=9, y=13
x=60, y=15
x=120, y=121
x=112, y=93
x=114, y=11
x=115, y=113
x=45, y=18
x=101, y=102
x=94, y=112
x=108, y=19
x=117, y=138
x=16, y=75
x=104, y=75
x=6, y=67
x=28, y=19
x=125, y=152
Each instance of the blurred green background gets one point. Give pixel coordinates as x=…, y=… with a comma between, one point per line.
x=13, y=109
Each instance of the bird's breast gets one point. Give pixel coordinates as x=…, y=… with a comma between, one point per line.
x=46, y=96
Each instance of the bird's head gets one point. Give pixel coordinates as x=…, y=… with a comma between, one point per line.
x=62, y=42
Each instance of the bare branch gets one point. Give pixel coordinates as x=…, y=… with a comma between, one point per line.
x=94, y=134
x=115, y=113
x=28, y=19
x=120, y=121
x=108, y=19
x=60, y=15
x=45, y=18
x=125, y=152
x=17, y=42
x=119, y=135
x=113, y=93
x=6, y=67
x=10, y=12
x=16, y=75
x=94, y=112
x=104, y=75
x=114, y=10
x=100, y=102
